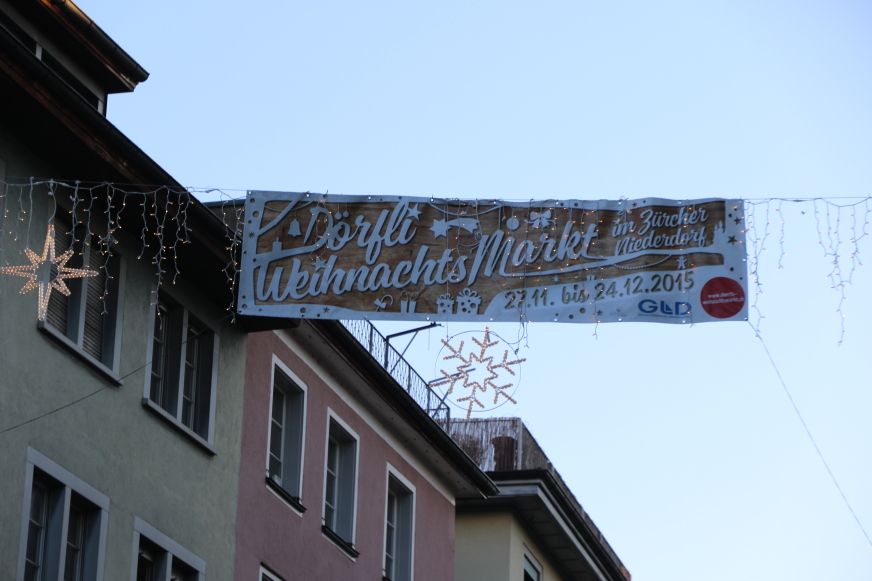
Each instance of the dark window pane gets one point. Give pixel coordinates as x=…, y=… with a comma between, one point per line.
x=34, y=557
x=75, y=539
x=96, y=303
x=144, y=568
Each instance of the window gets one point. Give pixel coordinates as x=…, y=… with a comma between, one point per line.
x=267, y=575
x=340, y=482
x=63, y=536
x=287, y=426
x=531, y=570
x=159, y=558
x=399, y=529
x=87, y=319
x=182, y=367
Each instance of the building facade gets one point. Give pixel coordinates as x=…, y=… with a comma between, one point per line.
x=344, y=475
x=146, y=434
x=534, y=529
x=120, y=414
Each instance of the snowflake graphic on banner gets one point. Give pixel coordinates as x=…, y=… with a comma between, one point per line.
x=479, y=371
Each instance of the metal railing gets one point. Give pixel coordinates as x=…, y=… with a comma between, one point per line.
x=400, y=369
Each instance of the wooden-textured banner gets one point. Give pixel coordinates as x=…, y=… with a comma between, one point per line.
x=405, y=258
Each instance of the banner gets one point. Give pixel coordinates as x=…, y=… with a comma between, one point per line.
x=405, y=258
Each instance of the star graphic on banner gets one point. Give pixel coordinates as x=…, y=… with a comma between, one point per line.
x=34, y=271
x=414, y=212
x=682, y=263
x=439, y=228
x=738, y=220
x=732, y=240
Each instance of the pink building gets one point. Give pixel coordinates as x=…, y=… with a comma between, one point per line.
x=345, y=475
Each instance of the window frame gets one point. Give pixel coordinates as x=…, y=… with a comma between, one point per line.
x=295, y=501
x=347, y=545
x=109, y=367
x=265, y=573
x=175, y=419
x=172, y=549
x=393, y=473
x=533, y=563
x=70, y=486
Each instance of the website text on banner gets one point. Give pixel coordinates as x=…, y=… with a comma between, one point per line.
x=406, y=258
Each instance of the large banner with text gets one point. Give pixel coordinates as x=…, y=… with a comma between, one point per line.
x=407, y=258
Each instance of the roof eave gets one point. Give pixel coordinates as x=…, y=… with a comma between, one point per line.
x=544, y=479
x=117, y=70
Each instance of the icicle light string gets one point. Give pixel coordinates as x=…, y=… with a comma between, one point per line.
x=755, y=245
x=233, y=237
x=841, y=223
x=781, y=233
x=98, y=226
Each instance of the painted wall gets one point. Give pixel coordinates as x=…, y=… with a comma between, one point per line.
x=491, y=547
x=269, y=531
x=110, y=441
x=483, y=547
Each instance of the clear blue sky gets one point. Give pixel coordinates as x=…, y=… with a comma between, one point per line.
x=679, y=441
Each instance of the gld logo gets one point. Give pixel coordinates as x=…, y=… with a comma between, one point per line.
x=676, y=309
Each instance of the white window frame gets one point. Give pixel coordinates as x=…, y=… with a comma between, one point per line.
x=70, y=484
x=269, y=575
x=333, y=417
x=176, y=419
x=299, y=383
x=141, y=528
x=392, y=472
x=533, y=563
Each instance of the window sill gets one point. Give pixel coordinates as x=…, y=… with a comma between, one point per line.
x=98, y=366
x=286, y=496
x=346, y=547
x=178, y=426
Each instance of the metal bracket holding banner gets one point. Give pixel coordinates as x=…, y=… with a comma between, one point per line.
x=406, y=258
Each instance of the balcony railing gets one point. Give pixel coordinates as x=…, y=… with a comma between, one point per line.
x=400, y=369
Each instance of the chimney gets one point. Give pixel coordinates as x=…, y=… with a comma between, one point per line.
x=504, y=453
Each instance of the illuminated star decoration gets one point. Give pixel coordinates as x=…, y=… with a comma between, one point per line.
x=487, y=369
x=34, y=272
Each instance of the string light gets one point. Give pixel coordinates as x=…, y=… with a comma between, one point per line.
x=841, y=224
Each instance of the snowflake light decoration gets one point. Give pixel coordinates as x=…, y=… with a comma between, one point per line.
x=478, y=371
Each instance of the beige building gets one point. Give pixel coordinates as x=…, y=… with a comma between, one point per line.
x=534, y=529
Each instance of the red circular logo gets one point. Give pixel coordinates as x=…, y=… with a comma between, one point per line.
x=722, y=297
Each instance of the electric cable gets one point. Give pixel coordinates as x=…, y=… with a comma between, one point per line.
x=88, y=395
x=810, y=436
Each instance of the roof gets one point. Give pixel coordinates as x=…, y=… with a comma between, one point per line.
x=84, y=41
x=86, y=146
x=531, y=486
